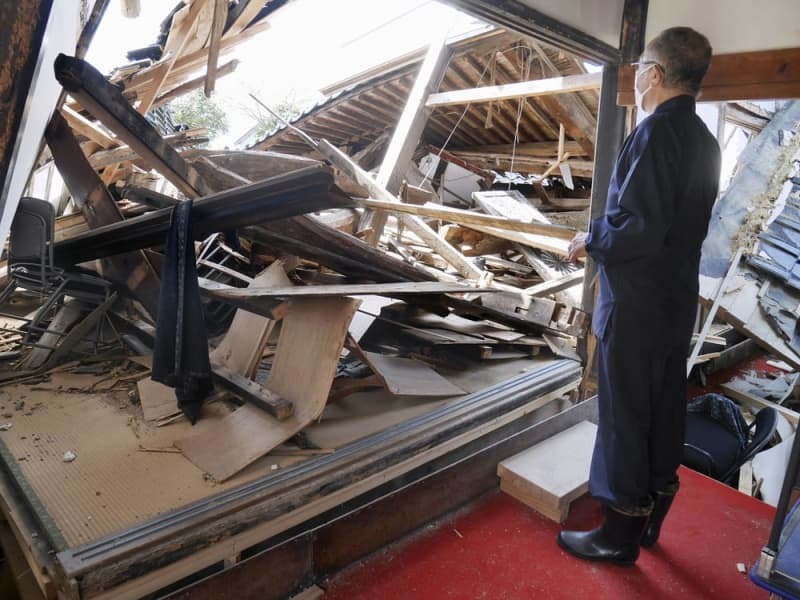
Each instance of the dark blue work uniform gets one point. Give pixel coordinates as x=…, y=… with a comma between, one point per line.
x=647, y=247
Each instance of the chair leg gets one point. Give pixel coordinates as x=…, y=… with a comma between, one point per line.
x=52, y=300
x=8, y=290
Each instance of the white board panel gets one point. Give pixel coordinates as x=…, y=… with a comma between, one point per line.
x=599, y=18
x=61, y=35
x=731, y=25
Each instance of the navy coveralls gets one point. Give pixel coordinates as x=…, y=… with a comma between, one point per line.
x=647, y=247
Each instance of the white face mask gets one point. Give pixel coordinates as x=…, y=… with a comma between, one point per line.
x=640, y=95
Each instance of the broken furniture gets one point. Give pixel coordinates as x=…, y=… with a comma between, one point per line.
x=31, y=268
x=719, y=441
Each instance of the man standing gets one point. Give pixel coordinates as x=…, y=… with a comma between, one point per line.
x=647, y=247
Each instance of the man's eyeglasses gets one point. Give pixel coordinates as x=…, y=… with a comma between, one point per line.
x=646, y=63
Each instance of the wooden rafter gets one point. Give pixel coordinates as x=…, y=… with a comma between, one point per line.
x=523, y=89
x=163, y=70
x=220, y=15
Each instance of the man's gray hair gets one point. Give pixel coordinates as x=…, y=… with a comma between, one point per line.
x=684, y=54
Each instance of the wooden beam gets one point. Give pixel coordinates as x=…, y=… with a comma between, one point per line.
x=610, y=134
x=103, y=158
x=220, y=16
x=569, y=109
x=555, y=285
x=464, y=217
x=634, y=21
x=532, y=164
x=532, y=149
x=763, y=75
x=407, y=133
x=556, y=246
x=193, y=84
x=131, y=8
x=523, y=89
x=92, y=23
x=87, y=128
x=186, y=64
x=105, y=101
x=253, y=393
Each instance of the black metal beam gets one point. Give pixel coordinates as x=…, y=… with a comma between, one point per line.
x=516, y=16
x=610, y=135
x=295, y=193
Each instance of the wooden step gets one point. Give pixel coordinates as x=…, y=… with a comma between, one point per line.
x=553, y=473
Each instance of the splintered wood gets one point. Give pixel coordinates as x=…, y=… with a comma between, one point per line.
x=243, y=345
x=311, y=340
x=553, y=473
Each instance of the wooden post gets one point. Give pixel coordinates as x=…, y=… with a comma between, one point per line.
x=407, y=133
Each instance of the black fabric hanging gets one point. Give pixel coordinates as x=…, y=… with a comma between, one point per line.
x=180, y=356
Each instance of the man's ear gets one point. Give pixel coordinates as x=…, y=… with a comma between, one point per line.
x=657, y=76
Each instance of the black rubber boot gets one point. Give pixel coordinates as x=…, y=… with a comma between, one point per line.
x=662, y=501
x=617, y=540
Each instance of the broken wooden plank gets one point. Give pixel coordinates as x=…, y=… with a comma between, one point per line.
x=523, y=89
x=220, y=16
x=87, y=128
x=193, y=84
x=552, y=473
x=312, y=337
x=354, y=289
x=555, y=285
x=512, y=204
x=467, y=218
x=560, y=347
x=428, y=235
x=104, y=158
x=243, y=344
x=188, y=63
x=243, y=13
x=748, y=399
x=409, y=377
x=181, y=34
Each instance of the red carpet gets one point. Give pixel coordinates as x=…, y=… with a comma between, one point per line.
x=502, y=550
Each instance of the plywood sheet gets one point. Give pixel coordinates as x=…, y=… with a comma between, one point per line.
x=158, y=400
x=409, y=377
x=243, y=345
x=311, y=340
x=555, y=471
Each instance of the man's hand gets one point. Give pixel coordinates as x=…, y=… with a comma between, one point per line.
x=577, y=247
